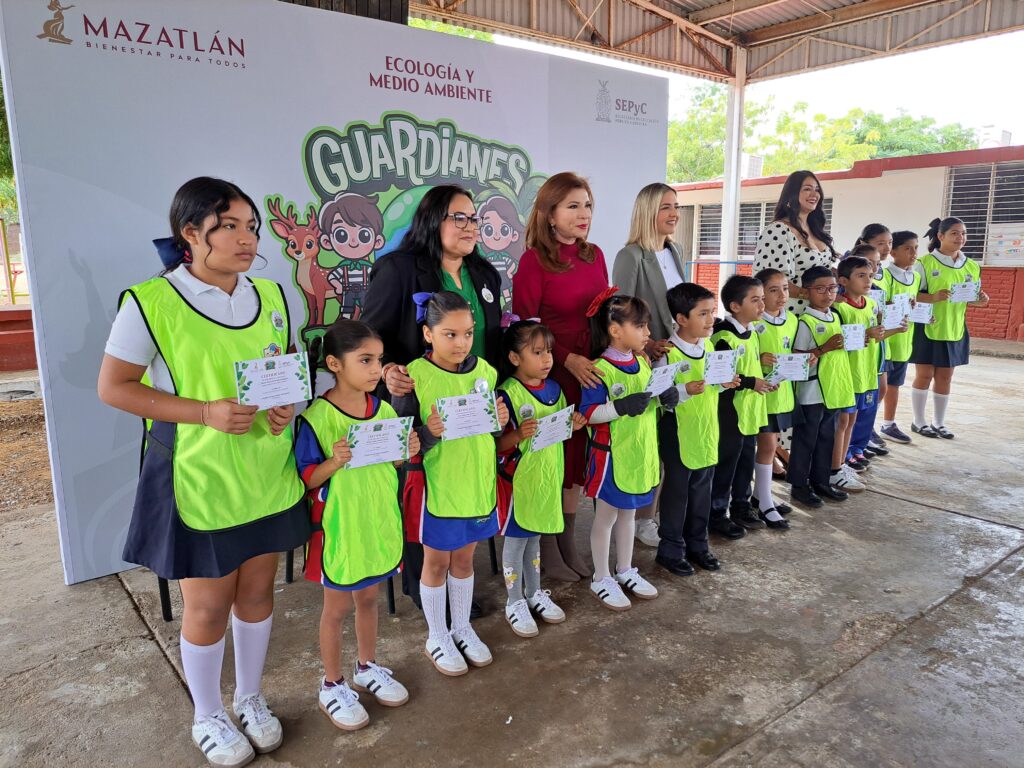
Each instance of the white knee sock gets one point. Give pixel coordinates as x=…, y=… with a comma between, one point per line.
x=601, y=537
x=460, y=595
x=918, y=400
x=202, y=665
x=940, y=401
x=251, y=641
x=763, y=486
x=625, y=532
x=434, y=600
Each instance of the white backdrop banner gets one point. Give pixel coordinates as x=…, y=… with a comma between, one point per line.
x=325, y=119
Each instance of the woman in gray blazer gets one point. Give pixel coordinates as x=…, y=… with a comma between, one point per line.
x=648, y=265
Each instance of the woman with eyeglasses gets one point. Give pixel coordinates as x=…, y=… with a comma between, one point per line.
x=438, y=253
x=557, y=279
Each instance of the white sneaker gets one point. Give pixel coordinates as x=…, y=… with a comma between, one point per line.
x=637, y=584
x=377, y=681
x=445, y=656
x=846, y=480
x=221, y=741
x=258, y=723
x=518, y=617
x=647, y=532
x=542, y=604
x=341, y=704
x=472, y=647
x=608, y=591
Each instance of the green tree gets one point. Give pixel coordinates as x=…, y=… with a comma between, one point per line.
x=449, y=29
x=817, y=143
x=907, y=135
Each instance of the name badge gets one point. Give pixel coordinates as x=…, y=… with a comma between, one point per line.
x=488, y=296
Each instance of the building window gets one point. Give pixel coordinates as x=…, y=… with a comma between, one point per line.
x=754, y=217
x=989, y=199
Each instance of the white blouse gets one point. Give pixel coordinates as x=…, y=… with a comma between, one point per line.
x=778, y=248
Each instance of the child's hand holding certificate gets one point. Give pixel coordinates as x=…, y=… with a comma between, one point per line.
x=720, y=367
x=795, y=367
x=267, y=382
x=553, y=429
x=468, y=415
x=662, y=378
x=374, y=442
x=922, y=313
x=854, y=337
x=966, y=292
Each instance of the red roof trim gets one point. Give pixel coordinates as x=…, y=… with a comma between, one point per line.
x=872, y=169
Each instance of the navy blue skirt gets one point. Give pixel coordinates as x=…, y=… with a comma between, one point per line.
x=941, y=354
x=159, y=540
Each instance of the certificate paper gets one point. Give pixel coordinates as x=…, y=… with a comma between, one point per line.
x=878, y=295
x=375, y=442
x=921, y=313
x=468, y=415
x=893, y=316
x=553, y=429
x=795, y=367
x=720, y=367
x=853, y=337
x=271, y=381
x=661, y=378
x=903, y=301
x=965, y=292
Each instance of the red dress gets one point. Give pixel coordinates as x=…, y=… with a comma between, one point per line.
x=560, y=300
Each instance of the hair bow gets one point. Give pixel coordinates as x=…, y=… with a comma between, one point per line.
x=600, y=299
x=508, y=318
x=421, y=300
x=171, y=254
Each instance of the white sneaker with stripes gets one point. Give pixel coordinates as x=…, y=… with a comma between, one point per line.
x=519, y=618
x=637, y=584
x=846, y=480
x=610, y=594
x=379, y=683
x=542, y=604
x=445, y=656
x=220, y=740
x=258, y=723
x=472, y=647
x=341, y=704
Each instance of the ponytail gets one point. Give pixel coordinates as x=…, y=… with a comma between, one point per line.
x=939, y=227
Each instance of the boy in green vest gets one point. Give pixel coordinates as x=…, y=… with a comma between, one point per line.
x=828, y=390
x=741, y=411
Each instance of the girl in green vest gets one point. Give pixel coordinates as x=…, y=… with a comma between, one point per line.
x=623, y=466
x=218, y=495
x=899, y=277
x=360, y=540
x=945, y=343
x=450, y=499
x=529, y=482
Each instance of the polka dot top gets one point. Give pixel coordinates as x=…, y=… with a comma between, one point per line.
x=778, y=248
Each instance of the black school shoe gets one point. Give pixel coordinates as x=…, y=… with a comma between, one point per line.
x=803, y=495
x=723, y=526
x=776, y=525
x=780, y=506
x=829, y=492
x=705, y=560
x=676, y=567
x=747, y=518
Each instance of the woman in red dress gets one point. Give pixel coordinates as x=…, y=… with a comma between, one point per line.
x=557, y=279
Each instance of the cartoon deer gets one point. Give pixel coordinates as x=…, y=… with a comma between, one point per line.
x=302, y=243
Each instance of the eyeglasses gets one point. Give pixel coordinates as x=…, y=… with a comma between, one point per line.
x=826, y=288
x=462, y=220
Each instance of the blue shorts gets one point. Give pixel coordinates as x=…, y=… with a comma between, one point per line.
x=896, y=373
x=864, y=401
x=450, y=533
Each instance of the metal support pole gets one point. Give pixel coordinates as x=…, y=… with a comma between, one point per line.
x=733, y=158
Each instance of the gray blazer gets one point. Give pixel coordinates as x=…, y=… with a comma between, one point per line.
x=637, y=273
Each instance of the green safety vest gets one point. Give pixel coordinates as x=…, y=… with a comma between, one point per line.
x=697, y=416
x=751, y=407
x=537, y=483
x=361, y=521
x=636, y=467
x=461, y=474
x=221, y=481
x=778, y=340
x=950, y=318
x=899, y=347
x=833, y=374
x=863, y=362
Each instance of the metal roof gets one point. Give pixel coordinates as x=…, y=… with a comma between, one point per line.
x=701, y=37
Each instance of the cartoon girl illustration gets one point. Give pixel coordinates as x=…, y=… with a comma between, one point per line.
x=502, y=240
x=352, y=226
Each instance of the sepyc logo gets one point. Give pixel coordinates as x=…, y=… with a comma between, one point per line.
x=621, y=110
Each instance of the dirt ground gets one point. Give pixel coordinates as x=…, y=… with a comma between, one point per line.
x=24, y=462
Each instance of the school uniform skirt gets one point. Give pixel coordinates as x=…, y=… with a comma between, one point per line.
x=941, y=354
x=159, y=540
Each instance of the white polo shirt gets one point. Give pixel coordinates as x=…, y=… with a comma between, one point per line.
x=131, y=341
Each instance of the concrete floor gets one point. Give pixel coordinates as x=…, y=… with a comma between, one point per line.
x=882, y=632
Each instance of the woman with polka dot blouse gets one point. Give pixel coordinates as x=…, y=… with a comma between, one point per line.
x=796, y=240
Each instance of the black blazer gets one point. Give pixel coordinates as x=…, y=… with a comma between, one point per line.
x=388, y=307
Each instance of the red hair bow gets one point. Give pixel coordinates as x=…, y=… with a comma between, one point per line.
x=600, y=299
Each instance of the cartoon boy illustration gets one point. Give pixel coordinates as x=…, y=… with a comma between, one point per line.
x=502, y=240
x=352, y=227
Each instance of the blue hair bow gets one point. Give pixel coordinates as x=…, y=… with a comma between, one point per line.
x=421, y=300
x=171, y=254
